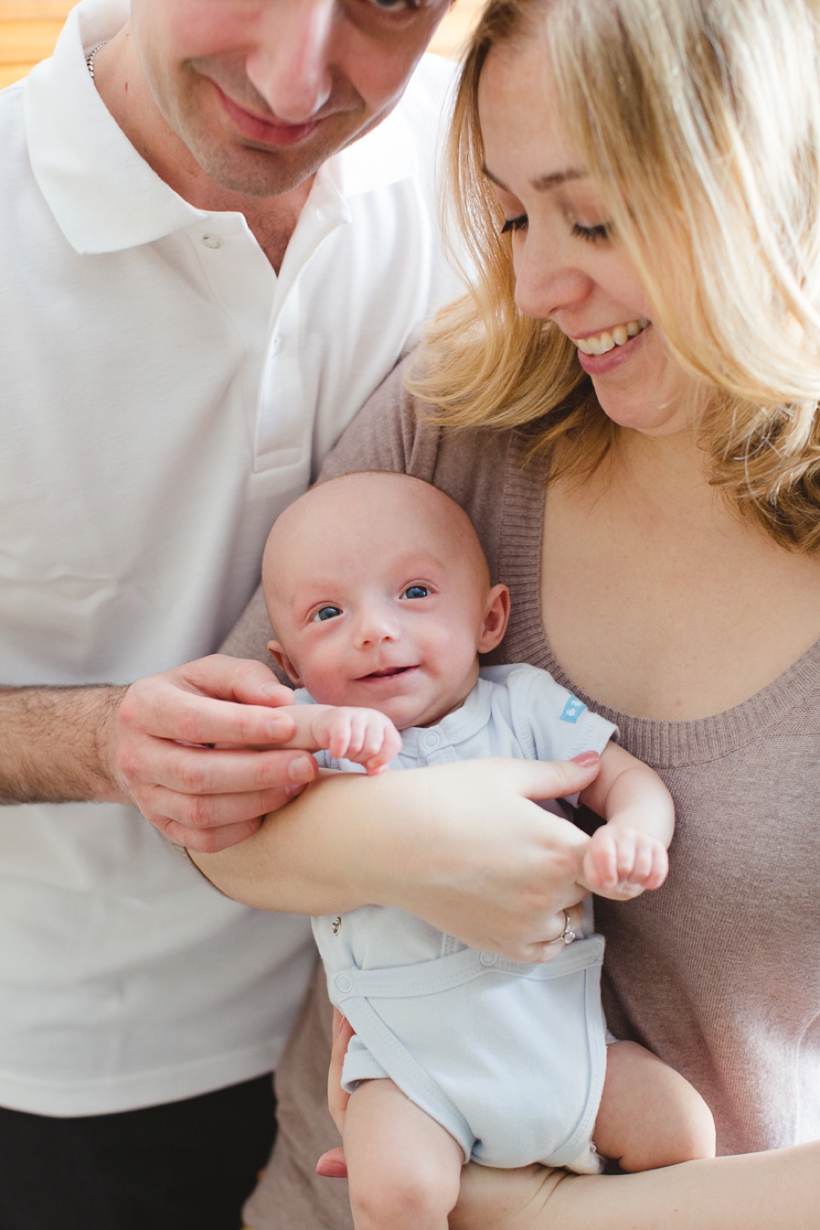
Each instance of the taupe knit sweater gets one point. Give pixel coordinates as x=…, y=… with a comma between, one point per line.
x=718, y=972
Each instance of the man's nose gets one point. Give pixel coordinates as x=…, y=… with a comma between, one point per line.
x=290, y=64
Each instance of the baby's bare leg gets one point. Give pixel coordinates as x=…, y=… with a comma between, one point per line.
x=404, y=1168
x=650, y=1115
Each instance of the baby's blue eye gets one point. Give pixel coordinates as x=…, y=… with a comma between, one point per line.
x=326, y=612
x=416, y=591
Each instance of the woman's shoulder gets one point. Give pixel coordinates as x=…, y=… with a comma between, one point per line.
x=390, y=432
x=397, y=431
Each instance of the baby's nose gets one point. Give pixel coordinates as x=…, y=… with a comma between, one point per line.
x=375, y=624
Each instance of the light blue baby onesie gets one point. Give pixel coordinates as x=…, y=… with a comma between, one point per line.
x=508, y=1057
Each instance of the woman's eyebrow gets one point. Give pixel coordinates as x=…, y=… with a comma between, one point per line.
x=541, y=183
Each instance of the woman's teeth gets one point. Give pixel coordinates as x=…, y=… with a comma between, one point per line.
x=602, y=343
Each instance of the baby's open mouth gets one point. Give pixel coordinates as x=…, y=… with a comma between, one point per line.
x=389, y=672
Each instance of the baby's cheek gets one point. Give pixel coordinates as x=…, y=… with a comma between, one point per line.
x=325, y=682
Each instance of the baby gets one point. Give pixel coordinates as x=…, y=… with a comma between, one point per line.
x=380, y=596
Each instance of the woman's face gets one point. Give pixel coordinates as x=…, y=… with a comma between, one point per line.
x=567, y=267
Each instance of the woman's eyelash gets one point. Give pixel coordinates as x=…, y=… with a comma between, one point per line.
x=592, y=234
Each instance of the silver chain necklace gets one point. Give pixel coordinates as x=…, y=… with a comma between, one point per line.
x=89, y=59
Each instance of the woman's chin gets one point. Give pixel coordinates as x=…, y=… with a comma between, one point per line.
x=661, y=417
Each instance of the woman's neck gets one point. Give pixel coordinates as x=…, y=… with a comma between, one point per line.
x=658, y=599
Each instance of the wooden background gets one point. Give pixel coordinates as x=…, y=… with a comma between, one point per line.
x=29, y=29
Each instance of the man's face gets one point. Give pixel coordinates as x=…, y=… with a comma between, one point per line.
x=263, y=91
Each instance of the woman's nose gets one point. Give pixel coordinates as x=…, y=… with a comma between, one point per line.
x=544, y=284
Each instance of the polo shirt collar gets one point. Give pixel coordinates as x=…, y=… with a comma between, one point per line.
x=104, y=196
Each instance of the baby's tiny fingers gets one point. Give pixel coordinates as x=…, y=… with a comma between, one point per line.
x=599, y=866
x=339, y=742
x=626, y=855
x=359, y=727
x=660, y=867
x=373, y=739
x=642, y=867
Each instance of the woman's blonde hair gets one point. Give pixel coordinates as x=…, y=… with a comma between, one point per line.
x=699, y=121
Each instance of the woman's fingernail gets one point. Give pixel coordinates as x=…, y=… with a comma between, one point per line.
x=300, y=770
x=586, y=758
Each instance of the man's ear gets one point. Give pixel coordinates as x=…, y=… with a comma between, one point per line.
x=284, y=663
x=496, y=615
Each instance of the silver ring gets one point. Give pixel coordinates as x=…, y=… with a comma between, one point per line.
x=566, y=936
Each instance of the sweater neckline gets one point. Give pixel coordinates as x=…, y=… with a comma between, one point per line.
x=664, y=744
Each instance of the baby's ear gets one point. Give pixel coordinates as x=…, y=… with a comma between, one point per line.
x=496, y=615
x=284, y=663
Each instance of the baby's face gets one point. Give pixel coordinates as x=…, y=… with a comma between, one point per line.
x=379, y=594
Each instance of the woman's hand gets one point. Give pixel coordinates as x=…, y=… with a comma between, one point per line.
x=332, y=1165
x=461, y=845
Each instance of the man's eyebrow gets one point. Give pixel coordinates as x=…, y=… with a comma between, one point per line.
x=542, y=183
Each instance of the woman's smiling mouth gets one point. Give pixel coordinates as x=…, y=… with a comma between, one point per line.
x=608, y=339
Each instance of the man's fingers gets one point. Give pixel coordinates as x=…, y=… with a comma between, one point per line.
x=208, y=841
x=240, y=679
x=201, y=703
x=169, y=712
x=201, y=770
x=209, y=811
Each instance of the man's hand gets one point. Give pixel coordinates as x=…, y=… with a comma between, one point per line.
x=163, y=759
x=151, y=744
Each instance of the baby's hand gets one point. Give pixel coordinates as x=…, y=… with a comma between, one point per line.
x=621, y=862
x=364, y=736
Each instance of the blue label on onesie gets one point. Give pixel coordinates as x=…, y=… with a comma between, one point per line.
x=572, y=710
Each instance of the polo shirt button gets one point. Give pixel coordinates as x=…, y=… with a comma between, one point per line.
x=276, y=346
x=212, y=241
x=344, y=983
x=488, y=958
x=430, y=740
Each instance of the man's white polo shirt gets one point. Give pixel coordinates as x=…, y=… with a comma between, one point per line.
x=163, y=395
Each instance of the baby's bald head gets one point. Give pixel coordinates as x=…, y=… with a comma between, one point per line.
x=373, y=512
x=376, y=583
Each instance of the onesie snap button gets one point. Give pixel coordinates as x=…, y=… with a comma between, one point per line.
x=212, y=241
x=488, y=958
x=344, y=983
x=430, y=740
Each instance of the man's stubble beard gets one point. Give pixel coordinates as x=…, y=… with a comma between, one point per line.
x=260, y=172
